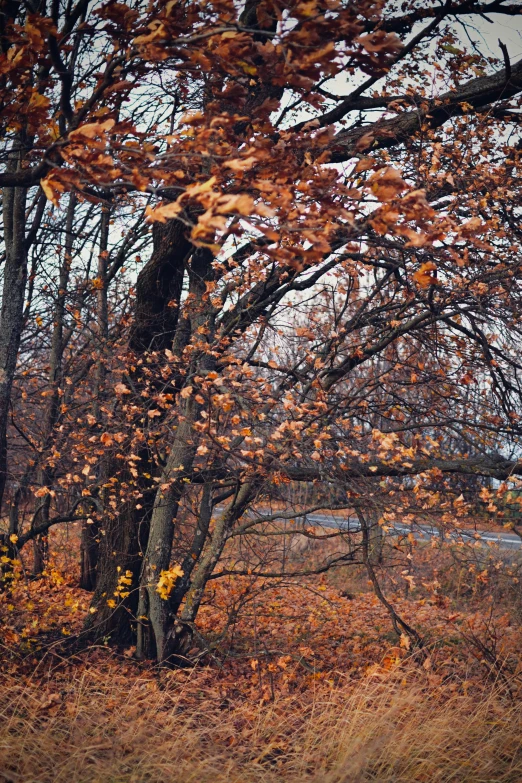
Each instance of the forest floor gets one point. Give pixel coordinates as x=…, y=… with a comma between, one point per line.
x=309, y=683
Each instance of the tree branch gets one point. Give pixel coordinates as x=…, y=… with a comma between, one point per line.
x=493, y=466
x=389, y=133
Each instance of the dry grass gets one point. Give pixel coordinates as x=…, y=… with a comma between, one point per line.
x=96, y=728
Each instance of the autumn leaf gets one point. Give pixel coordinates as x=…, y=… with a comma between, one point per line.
x=91, y=130
x=426, y=275
x=241, y=164
x=167, y=581
x=380, y=42
x=241, y=204
x=52, y=188
x=163, y=213
x=387, y=183
x=120, y=388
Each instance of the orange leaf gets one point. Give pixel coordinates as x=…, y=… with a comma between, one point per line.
x=424, y=277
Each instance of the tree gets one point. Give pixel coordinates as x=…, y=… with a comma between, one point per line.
x=329, y=299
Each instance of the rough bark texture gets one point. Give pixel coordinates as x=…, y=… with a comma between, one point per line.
x=158, y=288
x=493, y=466
x=11, y=317
x=120, y=549
x=475, y=93
x=89, y=549
x=123, y=539
x=91, y=529
x=199, y=312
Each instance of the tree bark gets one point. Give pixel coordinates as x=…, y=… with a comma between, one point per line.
x=178, y=638
x=45, y=475
x=112, y=619
x=153, y=610
x=11, y=316
x=123, y=539
x=89, y=548
x=91, y=530
x=158, y=289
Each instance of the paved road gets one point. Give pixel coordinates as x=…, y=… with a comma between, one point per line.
x=421, y=532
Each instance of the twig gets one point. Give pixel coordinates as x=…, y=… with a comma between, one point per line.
x=507, y=61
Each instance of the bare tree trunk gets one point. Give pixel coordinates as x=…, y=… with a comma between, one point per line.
x=180, y=632
x=89, y=547
x=11, y=316
x=153, y=610
x=91, y=530
x=45, y=474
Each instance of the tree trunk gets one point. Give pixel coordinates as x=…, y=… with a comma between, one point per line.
x=153, y=610
x=11, y=316
x=89, y=545
x=198, y=315
x=45, y=475
x=123, y=538
x=111, y=618
x=89, y=548
x=179, y=635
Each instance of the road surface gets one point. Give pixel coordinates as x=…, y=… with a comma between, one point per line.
x=504, y=540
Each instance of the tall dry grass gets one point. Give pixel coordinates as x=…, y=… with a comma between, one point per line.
x=112, y=729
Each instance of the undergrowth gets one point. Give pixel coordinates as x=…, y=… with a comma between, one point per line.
x=98, y=725
x=309, y=683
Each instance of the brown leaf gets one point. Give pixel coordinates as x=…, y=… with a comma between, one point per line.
x=387, y=183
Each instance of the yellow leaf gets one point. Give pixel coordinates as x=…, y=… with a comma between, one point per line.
x=247, y=67
x=167, y=581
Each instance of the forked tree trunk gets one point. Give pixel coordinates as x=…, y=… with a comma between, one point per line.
x=197, y=319
x=153, y=611
x=180, y=631
x=123, y=538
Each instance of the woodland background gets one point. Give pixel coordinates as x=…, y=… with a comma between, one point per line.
x=260, y=261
